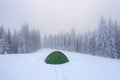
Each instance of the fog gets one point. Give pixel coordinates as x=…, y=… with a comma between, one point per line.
x=53, y=16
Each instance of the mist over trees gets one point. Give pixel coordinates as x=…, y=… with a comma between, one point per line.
x=104, y=41
x=24, y=41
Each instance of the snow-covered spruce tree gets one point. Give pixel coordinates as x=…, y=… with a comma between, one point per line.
x=15, y=42
x=84, y=43
x=73, y=40
x=89, y=43
x=2, y=40
x=102, y=47
x=92, y=43
x=78, y=44
x=67, y=41
x=35, y=38
x=60, y=41
x=50, y=41
x=8, y=42
x=20, y=43
x=105, y=40
x=45, y=42
x=1, y=31
x=5, y=41
x=53, y=41
x=112, y=38
x=56, y=42
x=24, y=41
x=117, y=37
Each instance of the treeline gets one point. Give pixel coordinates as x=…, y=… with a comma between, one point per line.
x=23, y=41
x=104, y=41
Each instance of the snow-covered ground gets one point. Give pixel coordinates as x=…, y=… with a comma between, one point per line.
x=80, y=67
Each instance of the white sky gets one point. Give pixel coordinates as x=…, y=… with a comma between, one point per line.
x=52, y=16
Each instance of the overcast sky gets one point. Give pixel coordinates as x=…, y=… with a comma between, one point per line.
x=52, y=16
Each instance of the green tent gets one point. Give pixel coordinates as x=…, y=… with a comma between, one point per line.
x=56, y=57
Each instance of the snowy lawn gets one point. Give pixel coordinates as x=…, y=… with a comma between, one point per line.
x=80, y=67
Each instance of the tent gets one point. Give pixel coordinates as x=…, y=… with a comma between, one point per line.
x=56, y=57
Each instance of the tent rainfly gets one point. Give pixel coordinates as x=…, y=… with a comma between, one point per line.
x=56, y=57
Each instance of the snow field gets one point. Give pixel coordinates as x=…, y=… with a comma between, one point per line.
x=81, y=67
